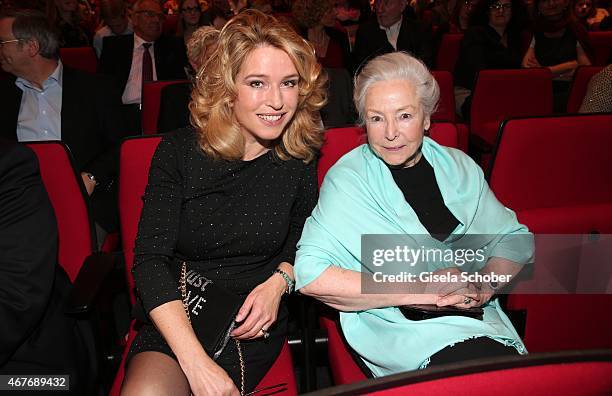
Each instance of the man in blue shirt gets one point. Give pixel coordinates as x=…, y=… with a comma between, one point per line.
x=49, y=101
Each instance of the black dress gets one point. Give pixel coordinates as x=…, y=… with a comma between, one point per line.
x=232, y=221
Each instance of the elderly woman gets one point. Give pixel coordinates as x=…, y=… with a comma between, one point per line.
x=228, y=199
x=405, y=185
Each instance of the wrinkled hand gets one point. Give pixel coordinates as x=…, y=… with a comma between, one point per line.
x=260, y=309
x=208, y=378
x=479, y=294
x=443, y=288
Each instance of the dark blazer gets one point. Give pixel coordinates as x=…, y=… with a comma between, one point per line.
x=173, y=107
x=92, y=127
x=37, y=337
x=116, y=58
x=414, y=37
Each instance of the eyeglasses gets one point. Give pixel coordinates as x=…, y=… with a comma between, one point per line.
x=9, y=41
x=187, y=10
x=500, y=6
x=151, y=14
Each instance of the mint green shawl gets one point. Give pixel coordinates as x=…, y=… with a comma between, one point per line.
x=359, y=196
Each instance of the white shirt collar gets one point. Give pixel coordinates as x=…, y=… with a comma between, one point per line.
x=393, y=28
x=138, y=41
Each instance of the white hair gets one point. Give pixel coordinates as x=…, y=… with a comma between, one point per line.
x=397, y=66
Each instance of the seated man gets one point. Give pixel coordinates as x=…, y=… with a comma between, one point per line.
x=392, y=31
x=143, y=56
x=37, y=337
x=116, y=22
x=48, y=101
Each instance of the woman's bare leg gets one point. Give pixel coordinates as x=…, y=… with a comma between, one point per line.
x=154, y=373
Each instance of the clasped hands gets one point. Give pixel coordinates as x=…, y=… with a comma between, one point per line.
x=460, y=294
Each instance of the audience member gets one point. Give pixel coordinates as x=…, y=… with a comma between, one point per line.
x=494, y=41
x=116, y=22
x=37, y=337
x=190, y=18
x=317, y=18
x=559, y=43
x=174, y=102
x=65, y=16
x=216, y=17
x=142, y=57
x=430, y=197
x=587, y=14
x=49, y=101
x=392, y=31
x=598, y=98
x=253, y=147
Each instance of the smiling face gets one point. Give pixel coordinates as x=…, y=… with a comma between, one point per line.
x=267, y=96
x=394, y=120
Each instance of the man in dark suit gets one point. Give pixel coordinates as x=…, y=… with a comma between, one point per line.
x=392, y=31
x=143, y=56
x=48, y=101
x=36, y=337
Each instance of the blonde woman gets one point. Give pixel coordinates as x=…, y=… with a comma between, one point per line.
x=230, y=197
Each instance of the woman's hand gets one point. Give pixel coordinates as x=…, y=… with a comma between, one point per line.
x=260, y=309
x=474, y=295
x=207, y=378
x=530, y=60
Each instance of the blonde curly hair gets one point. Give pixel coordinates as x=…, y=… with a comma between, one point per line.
x=215, y=89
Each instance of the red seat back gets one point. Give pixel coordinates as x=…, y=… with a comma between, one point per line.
x=559, y=161
x=582, y=76
x=501, y=94
x=151, y=99
x=559, y=184
x=602, y=46
x=446, y=106
x=339, y=141
x=83, y=58
x=67, y=195
x=563, y=378
x=134, y=163
x=448, y=52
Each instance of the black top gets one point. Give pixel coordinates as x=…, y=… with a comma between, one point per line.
x=550, y=51
x=481, y=48
x=420, y=188
x=234, y=220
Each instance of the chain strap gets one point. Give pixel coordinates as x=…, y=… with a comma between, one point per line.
x=183, y=287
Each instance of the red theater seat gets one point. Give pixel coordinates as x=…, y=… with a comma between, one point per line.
x=448, y=52
x=151, y=99
x=569, y=373
x=135, y=161
x=501, y=94
x=602, y=46
x=559, y=183
x=83, y=58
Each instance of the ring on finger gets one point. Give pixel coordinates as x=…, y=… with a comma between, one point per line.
x=467, y=300
x=264, y=332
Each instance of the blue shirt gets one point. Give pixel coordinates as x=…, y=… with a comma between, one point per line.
x=41, y=109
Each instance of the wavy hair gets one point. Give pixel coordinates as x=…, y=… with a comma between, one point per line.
x=397, y=66
x=215, y=89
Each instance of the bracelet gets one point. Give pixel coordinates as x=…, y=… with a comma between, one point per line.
x=287, y=278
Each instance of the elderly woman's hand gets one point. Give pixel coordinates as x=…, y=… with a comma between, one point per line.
x=474, y=295
x=260, y=309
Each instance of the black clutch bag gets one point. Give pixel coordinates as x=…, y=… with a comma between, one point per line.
x=210, y=308
x=430, y=311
